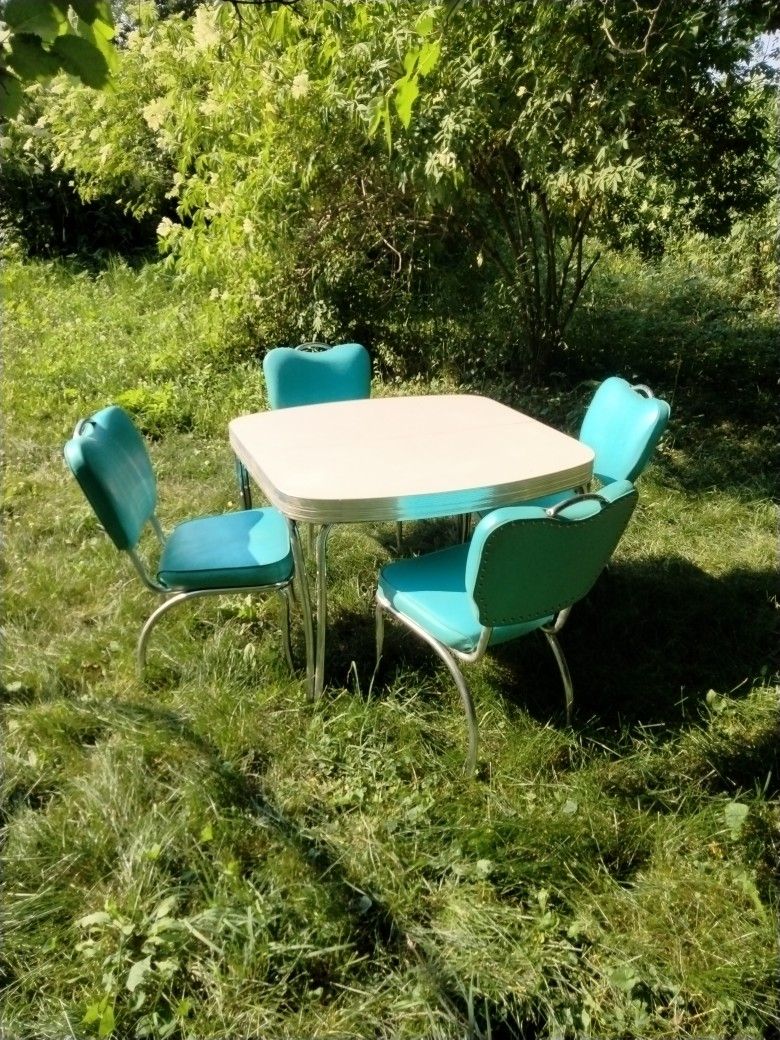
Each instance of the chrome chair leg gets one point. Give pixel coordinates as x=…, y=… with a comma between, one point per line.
x=285, y=595
x=470, y=764
x=244, y=487
x=563, y=668
x=380, y=633
x=465, y=699
x=151, y=621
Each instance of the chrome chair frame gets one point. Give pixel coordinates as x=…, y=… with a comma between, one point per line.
x=450, y=656
x=295, y=588
x=288, y=594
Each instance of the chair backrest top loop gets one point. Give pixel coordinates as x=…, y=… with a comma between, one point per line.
x=590, y=496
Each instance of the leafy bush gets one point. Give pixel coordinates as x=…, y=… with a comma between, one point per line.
x=267, y=151
x=41, y=211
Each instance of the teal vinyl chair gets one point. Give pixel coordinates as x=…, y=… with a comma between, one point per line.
x=252, y=550
x=311, y=373
x=523, y=570
x=314, y=373
x=623, y=425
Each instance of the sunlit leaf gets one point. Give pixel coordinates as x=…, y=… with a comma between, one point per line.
x=735, y=814
x=91, y=920
x=424, y=25
x=429, y=57
x=40, y=17
x=407, y=90
x=410, y=60
x=387, y=124
x=82, y=58
x=100, y=35
x=29, y=58
x=280, y=25
x=106, y=1026
x=374, y=113
x=138, y=973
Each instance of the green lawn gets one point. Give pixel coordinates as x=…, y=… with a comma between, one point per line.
x=208, y=856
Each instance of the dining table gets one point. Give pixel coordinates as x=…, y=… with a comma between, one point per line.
x=400, y=458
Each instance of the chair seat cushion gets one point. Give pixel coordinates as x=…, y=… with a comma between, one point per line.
x=230, y=551
x=431, y=590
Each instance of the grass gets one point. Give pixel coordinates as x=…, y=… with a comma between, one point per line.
x=207, y=856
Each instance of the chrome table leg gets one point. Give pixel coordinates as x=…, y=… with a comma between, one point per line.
x=322, y=608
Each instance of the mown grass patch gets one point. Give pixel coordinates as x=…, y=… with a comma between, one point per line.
x=206, y=855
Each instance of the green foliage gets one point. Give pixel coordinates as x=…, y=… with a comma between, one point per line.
x=551, y=117
x=371, y=171
x=42, y=214
x=107, y=141
x=689, y=315
x=43, y=37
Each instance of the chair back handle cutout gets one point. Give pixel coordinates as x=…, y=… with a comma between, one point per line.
x=575, y=500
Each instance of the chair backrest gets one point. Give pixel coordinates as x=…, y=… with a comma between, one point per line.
x=524, y=563
x=622, y=426
x=295, y=377
x=108, y=457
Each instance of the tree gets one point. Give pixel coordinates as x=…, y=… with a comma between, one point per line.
x=327, y=160
x=547, y=117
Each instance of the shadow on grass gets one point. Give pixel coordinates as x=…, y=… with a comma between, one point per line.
x=654, y=637
x=373, y=929
x=715, y=453
x=646, y=648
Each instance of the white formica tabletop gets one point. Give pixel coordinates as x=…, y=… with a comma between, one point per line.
x=404, y=458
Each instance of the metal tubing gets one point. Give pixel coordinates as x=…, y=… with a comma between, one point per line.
x=149, y=582
x=152, y=620
x=303, y=595
x=449, y=659
x=244, y=486
x=465, y=698
x=157, y=528
x=590, y=496
x=379, y=628
x=560, y=620
x=563, y=668
x=464, y=527
x=285, y=596
x=322, y=608
x=174, y=597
